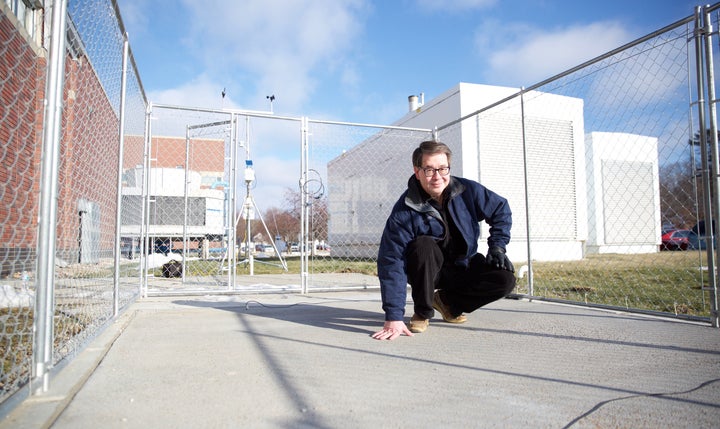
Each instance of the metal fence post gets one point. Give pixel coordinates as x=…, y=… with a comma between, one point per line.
x=702, y=138
x=186, y=191
x=231, y=195
x=715, y=167
x=45, y=280
x=144, y=221
x=118, y=200
x=304, y=222
x=527, y=196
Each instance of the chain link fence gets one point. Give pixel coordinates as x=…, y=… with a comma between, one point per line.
x=596, y=162
x=87, y=286
x=356, y=173
x=187, y=228
x=18, y=177
x=253, y=162
x=205, y=216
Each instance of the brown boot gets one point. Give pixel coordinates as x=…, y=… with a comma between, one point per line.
x=444, y=310
x=418, y=324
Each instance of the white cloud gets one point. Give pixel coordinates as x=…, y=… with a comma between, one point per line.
x=199, y=92
x=535, y=55
x=273, y=178
x=283, y=46
x=134, y=14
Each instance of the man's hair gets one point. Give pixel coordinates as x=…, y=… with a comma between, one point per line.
x=430, y=148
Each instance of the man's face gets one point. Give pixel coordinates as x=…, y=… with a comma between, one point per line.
x=435, y=184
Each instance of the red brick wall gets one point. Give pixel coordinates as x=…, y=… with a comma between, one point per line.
x=21, y=95
x=169, y=152
x=88, y=152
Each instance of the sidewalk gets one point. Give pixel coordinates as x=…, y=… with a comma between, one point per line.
x=307, y=361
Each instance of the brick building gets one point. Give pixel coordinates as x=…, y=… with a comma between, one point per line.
x=21, y=95
x=88, y=148
x=206, y=197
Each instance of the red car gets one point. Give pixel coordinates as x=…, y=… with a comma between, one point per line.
x=678, y=239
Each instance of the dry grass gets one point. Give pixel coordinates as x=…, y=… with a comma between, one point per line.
x=666, y=282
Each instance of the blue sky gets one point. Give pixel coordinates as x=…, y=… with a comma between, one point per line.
x=358, y=60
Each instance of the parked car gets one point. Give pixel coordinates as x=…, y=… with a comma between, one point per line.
x=702, y=235
x=679, y=239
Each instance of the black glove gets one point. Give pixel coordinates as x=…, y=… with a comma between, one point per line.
x=496, y=257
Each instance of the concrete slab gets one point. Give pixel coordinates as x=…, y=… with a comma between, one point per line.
x=294, y=361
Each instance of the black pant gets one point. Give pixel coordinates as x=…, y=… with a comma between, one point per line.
x=464, y=290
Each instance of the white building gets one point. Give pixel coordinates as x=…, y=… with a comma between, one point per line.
x=206, y=208
x=623, y=193
x=492, y=148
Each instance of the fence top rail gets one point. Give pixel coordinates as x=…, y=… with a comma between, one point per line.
x=131, y=57
x=356, y=124
x=254, y=113
x=212, y=124
x=263, y=114
x=609, y=54
x=711, y=8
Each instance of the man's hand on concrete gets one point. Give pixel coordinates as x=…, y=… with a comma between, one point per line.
x=391, y=330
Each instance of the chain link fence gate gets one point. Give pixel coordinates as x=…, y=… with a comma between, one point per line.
x=206, y=231
x=186, y=228
x=353, y=175
x=217, y=179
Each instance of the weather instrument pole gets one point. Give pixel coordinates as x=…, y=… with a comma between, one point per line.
x=250, y=209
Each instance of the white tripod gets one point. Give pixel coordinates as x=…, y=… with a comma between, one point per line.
x=248, y=213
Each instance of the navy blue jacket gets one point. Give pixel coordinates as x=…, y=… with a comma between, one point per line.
x=413, y=216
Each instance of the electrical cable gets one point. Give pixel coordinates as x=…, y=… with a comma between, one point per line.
x=318, y=190
x=648, y=395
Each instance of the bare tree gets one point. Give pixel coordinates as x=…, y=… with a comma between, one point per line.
x=682, y=189
x=285, y=222
x=318, y=213
x=256, y=228
x=680, y=192
x=282, y=223
x=319, y=219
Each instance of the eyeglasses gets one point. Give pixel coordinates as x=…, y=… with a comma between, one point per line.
x=430, y=172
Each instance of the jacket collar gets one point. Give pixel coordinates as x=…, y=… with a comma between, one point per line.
x=419, y=200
